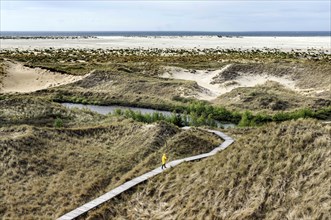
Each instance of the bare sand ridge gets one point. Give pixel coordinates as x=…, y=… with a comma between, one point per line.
x=23, y=79
x=211, y=89
x=176, y=42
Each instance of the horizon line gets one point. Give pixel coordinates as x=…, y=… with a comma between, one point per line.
x=156, y=31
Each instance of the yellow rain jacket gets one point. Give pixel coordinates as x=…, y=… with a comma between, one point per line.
x=164, y=159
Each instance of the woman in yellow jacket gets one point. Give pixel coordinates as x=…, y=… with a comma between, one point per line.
x=164, y=160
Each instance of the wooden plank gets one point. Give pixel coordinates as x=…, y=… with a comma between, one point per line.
x=200, y=156
x=89, y=205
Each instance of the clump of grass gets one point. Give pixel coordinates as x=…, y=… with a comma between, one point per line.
x=2, y=71
x=58, y=123
x=278, y=171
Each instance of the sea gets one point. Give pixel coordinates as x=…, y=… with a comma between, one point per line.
x=167, y=33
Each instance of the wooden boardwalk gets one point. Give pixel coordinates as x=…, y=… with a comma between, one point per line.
x=118, y=190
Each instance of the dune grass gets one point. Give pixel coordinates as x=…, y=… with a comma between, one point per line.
x=2, y=71
x=270, y=97
x=278, y=171
x=26, y=109
x=80, y=61
x=46, y=172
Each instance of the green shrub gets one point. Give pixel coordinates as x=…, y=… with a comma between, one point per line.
x=281, y=116
x=323, y=114
x=261, y=118
x=118, y=112
x=302, y=113
x=246, y=119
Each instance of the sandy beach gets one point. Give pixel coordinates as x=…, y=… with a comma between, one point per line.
x=185, y=42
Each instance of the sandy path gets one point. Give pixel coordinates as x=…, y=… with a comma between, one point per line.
x=23, y=79
x=210, y=91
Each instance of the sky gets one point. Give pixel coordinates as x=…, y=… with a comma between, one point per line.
x=106, y=15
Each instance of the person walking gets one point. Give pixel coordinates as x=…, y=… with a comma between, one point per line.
x=164, y=160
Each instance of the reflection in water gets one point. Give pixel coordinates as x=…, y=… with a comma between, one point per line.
x=111, y=109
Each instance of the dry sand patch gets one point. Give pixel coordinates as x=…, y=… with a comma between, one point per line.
x=22, y=79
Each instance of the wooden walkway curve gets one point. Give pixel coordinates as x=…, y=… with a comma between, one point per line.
x=118, y=190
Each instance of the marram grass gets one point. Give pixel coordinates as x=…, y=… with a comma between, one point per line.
x=278, y=171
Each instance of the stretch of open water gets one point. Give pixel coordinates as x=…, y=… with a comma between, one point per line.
x=168, y=33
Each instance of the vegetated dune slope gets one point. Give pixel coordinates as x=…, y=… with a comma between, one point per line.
x=46, y=172
x=24, y=109
x=270, y=96
x=279, y=171
x=124, y=88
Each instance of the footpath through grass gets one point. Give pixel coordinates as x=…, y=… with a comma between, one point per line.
x=46, y=172
x=277, y=171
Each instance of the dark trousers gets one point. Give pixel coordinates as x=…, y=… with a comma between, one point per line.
x=163, y=166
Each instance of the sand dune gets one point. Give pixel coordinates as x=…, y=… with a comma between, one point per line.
x=23, y=79
x=210, y=90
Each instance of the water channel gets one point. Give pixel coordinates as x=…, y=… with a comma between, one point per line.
x=111, y=109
